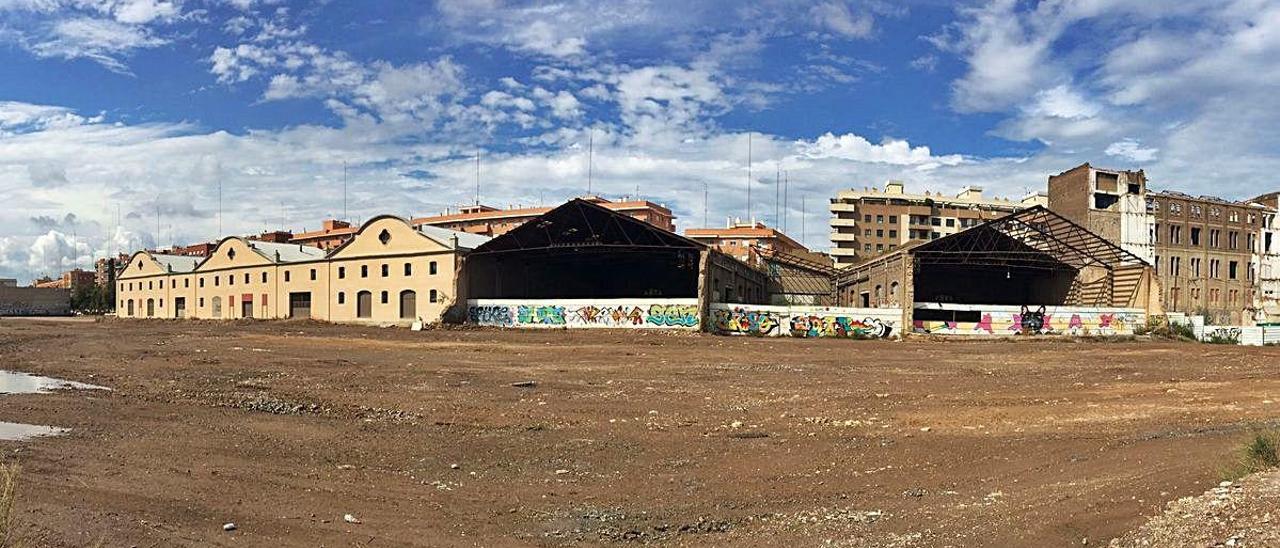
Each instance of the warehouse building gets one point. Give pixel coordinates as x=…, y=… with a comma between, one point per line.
x=584, y=265
x=1034, y=265
x=388, y=273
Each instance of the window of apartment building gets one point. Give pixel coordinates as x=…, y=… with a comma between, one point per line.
x=866, y=218
x=1233, y=240
x=866, y=232
x=879, y=247
x=951, y=222
x=186, y=282
x=342, y=272
x=1153, y=206
x=935, y=235
x=879, y=219
x=866, y=247
x=408, y=269
x=151, y=285
x=1252, y=242
x=893, y=219
x=1195, y=267
x=893, y=233
x=1195, y=236
x=1175, y=234
x=1157, y=264
x=935, y=221
x=1213, y=268
x=1215, y=238
x=880, y=233
x=1233, y=216
x=201, y=302
x=216, y=280
x=1175, y=208
x=161, y=284
x=1232, y=267
x=1155, y=233
x=386, y=270
x=1175, y=266
x=364, y=271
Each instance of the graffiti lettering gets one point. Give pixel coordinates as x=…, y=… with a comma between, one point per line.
x=674, y=315
x=489, y=315
x=838, y=326
x=540, y=315
x=749, y=322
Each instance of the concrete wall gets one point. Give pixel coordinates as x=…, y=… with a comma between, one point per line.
x=1007, y=320
x=585, y=313
x=34, y=301
x=805, y=321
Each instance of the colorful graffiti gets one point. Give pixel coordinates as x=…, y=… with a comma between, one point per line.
x=620, y=313
x=1062, y=321
x=803, y=322
x=838, y=326
x=743, y=321
x=674, y=315
x=540, y=315
x=489, y=315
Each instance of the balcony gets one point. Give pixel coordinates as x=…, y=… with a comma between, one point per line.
x=836, y=221
x=843, y=237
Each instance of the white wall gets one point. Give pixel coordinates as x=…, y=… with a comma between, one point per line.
x=585, y=313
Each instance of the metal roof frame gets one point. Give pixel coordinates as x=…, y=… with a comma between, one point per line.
x=580, y=225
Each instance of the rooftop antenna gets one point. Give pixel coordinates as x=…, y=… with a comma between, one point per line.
x=591, y=153
x=786, y=203
x=777, y=195
x=748, y=175
x=219, y=235
x=344, y=190
x=477, y=175
x=803, y=233
x=75, y=251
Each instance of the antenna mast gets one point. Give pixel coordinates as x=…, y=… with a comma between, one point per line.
x=777, y=195
x=477, y=175
x=591, y=153
x=704, y=203
x=748, y=176
x=786, y=203
x=344, y=190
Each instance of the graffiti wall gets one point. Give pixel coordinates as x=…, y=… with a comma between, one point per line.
x=804, y=321
x=1015, y=320
x=585, y=313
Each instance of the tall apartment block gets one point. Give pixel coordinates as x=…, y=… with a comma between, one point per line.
x=491, y=221
x=1203, y=248
x=867, y=223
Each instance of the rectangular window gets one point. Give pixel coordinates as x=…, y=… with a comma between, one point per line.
x=216, y=281
x=313, y=274
x=879, y=219
x=286, y=276
x=385, y=297
x=231, y=279
x=186, y=282
x=201, y=302
x=342, y=297
x=364, y=271
x=264, y=277
x=1232, y=267
x=342, y=272
x=1195, y=236
x=432, y=295
x=386, y=270
x=935, y=221
x=431, y=268
x=246, y=277
x=893, y=219
x=408, y=269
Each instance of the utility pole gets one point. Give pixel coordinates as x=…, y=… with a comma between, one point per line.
x=704, y=204
x=477, y=175
x=777, y=194
x=804, y=198
x=748, y=176
x=344, y=190
x=591, y=153
x=786, y=203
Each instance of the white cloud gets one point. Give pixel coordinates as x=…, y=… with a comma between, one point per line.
x=839, y=18
x=101, y=40
x=890, y=151
x=1131, y=149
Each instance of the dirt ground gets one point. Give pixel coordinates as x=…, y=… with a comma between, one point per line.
x=284, y=428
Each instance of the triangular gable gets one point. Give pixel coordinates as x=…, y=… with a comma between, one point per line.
x=401, y=236
x=580, y=223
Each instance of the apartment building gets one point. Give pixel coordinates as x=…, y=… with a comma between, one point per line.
x=332, y=234
x=868, y=223
x=491, y=221
x=71, y=279
x=387, y=273
x=1202, y=247
x=747, y=242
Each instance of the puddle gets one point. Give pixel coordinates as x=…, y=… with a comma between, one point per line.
x=16, y=382
x=12, y=431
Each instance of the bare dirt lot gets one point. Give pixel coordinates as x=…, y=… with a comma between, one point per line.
x=284, y=428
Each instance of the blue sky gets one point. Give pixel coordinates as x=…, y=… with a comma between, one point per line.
x=114, y=110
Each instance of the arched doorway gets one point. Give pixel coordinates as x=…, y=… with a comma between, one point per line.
x=151, y=308
x=217, y=307
x=408, y=304
x=364, y=304
x=130, y=308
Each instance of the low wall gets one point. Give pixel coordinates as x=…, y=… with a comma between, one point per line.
x=585, y=313
x=1244, y=335
x=34, y=301
x=1008, y=320
x=805, y=321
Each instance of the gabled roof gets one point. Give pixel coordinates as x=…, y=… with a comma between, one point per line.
x=579, y=223
x=176, y=263
x=466, y=240
x=1034, y=237
x=285, y=253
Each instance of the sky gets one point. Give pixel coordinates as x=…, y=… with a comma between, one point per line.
x=140, y=123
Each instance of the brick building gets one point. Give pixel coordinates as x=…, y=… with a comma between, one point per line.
x=1202, y=247
x=491, y=221
x=868, y=223
x=1267, y=257
x=745, y=241
x=332, y=234
x=71, y=279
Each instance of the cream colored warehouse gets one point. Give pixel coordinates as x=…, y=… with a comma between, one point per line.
x=388, y=273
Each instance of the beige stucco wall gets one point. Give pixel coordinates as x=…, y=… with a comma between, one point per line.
x=229, y=279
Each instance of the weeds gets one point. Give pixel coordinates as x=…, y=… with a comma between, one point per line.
x=1163, y=329
x=1260, y=452
x=8, y=484
x=1222, y=337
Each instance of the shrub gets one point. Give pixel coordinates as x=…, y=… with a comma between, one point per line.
x=1261, y=451
x=1223, y=337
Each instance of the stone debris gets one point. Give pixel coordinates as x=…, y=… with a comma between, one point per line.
x=351, y=519
x=228, y=526
x=1233, y=514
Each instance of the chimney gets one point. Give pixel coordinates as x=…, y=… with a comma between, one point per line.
x=893, y=187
